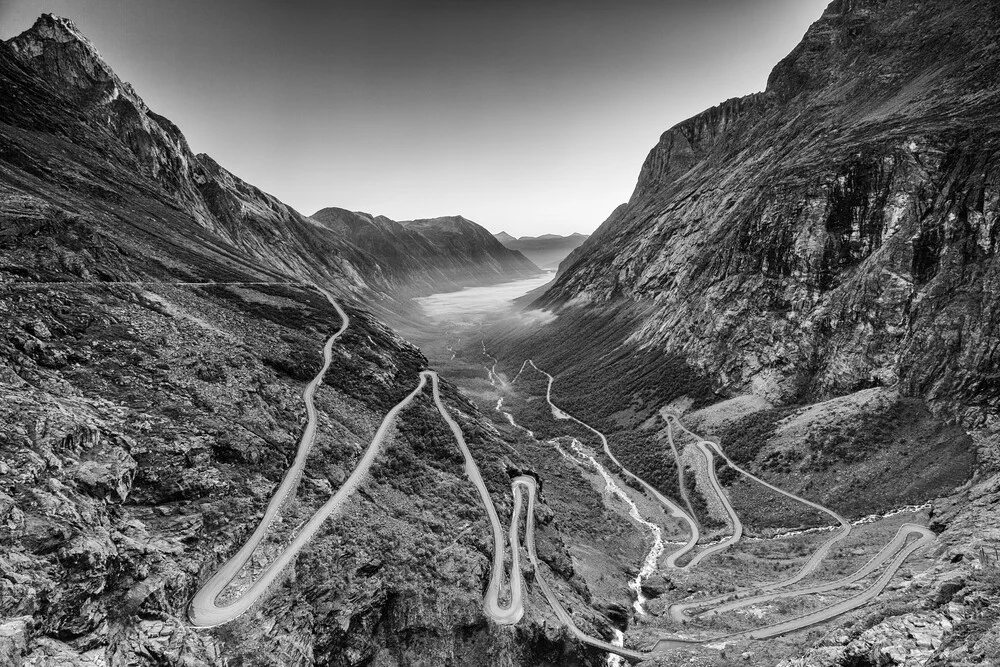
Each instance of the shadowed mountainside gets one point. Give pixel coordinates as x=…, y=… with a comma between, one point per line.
x=547, y=250
x=837, y=231
x=424, y=256
x=78, y=137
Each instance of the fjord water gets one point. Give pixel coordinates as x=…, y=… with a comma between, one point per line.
x=475, y=304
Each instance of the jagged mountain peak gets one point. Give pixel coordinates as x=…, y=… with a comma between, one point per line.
x=56, y=82
x=55, y=48
x=860, y=51
x=56, y=28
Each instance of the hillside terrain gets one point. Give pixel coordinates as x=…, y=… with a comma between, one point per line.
x=547, y=250
x=78, y=137
x=159, y=319
x=837, y=231
x=756, y=423
x=433, y=255
x=809, y=275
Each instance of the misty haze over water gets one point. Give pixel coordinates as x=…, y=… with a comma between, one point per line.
x=474, y=304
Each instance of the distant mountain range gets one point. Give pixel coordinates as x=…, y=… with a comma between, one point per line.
x=428, y=255
x=547, y=250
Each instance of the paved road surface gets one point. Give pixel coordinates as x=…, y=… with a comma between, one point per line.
x=678, y=611
x=204, y=610
x=528, y=483
x=693, y=533
x=892, y=555
x=511, y=612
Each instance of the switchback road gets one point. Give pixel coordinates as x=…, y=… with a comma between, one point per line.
x=204, y=609
x=891, y=556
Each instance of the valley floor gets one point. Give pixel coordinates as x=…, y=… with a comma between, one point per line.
x=791, y=579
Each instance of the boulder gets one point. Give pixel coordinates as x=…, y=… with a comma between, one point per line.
x=107, y=473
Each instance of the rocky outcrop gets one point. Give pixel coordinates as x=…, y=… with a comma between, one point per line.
x=838, y=230
x=907, y=641
x=70, y=62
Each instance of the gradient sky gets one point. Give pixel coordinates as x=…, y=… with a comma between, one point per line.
x=530, y=116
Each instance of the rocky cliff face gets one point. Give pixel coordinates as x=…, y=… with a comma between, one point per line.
x=837, y=231
x=429, y=255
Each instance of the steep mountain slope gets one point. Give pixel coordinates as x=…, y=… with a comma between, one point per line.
x=157, y=327
x=144, y=427
x=837, y=231
x=547, y=250
x=69, y=121
x=424, y=256
x=824, y=255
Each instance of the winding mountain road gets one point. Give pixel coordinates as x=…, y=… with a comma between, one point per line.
x=529, y=483
x=204, y=611
x=826, y=613
x=678, y=612
x=879, y=559
x=674, y=510
x=511, y=612
x=891, y=556
x=734, y=518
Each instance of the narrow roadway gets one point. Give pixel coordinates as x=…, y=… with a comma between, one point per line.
x=674, y=510
x=529, y=483
x=204, y=610
x=511, y=612
x=678, y=612
x=879, y=559
x=734, y=519
x=762, y=594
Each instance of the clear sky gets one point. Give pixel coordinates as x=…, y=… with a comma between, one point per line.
x=530, y=116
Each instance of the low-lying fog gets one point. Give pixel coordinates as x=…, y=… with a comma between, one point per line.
x=474, y=304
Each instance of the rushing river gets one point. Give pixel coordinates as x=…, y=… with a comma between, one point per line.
x=474, y=304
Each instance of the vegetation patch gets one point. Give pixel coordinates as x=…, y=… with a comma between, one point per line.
x=744, y=439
